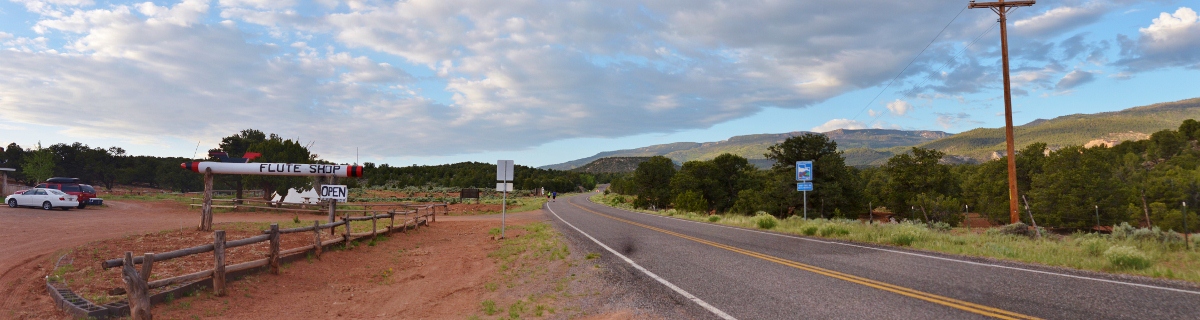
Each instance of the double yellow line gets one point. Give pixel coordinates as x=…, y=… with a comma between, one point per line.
x=945, y=301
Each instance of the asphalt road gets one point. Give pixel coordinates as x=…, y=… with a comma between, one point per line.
x=707, y=271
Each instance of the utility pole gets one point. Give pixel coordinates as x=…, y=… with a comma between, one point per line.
x=1001, y=8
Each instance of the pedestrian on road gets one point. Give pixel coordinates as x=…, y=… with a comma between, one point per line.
x=553, y=195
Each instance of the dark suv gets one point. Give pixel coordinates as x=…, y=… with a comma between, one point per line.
x=71, y=186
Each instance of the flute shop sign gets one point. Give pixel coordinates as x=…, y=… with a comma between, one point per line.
x=276, y=169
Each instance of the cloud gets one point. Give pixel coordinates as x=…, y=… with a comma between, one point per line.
x=1058, y=20
x=1171, y=40
x=1074, y=79
x=899, y=107
x=949, y=120
x=839, y=124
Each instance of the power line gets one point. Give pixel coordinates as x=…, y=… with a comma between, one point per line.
x=946, y=63
x=914, y=59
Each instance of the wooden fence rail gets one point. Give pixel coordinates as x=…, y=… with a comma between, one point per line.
x=138, y=286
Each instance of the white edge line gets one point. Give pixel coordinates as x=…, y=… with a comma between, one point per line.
x=677, y=289
x=918, y=254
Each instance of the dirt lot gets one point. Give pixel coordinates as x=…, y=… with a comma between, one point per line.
x=448, y=270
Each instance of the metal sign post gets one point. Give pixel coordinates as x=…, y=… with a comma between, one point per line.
x=504, y=178
x=804, y=177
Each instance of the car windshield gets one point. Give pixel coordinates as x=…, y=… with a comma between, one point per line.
x=56, y=192
x=71, y=188
x=88, y=189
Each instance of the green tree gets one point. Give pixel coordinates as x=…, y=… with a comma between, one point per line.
x=652, y=181
x=278, y=150
x=1165, y=144
x=698, y=177
x=733, y=174
x=690, y=201
x=836, y=186
x=985, y=189
x=235, y=146
x=1190, y=129
x=1073, y=182
x=914, y=173
x=39, y=164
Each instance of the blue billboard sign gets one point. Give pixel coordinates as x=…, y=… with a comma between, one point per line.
x=804, y=186
x=804, y=170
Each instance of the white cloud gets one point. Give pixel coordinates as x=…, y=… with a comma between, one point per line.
x=1074, y=79
x=899, y=107
x=872, y=113
x=1172, y=39
x=839, y=124
x=950, y=120
x=1061, y=19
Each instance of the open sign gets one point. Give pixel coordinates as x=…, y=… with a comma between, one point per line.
x=335, y=192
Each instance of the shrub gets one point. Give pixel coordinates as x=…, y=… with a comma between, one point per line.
x=714, y=218
x=1122, y=231
x=809, y=230
x=940, y=226
x=1018, y=229
x=1126, y=257
x=691, y=201
x=904, y=238
x=1094, y=246
x=833, y=229
x=1144, y=234
x=764, y=220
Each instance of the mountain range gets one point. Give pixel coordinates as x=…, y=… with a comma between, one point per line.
x=866, y=147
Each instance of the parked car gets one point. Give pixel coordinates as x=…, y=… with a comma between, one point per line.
x=44, y=197
x=90, y=194
x=71, y=186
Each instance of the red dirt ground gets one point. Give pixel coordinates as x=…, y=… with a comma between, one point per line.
x=438, y=272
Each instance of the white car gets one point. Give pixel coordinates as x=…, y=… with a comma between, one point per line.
x=42, y=197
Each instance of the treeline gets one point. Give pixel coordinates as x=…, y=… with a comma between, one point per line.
x=1142, y=182
x=96, y=166
x=475, y=175
x=112, y=166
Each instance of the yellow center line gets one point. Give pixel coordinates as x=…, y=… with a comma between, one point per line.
x=942, y=300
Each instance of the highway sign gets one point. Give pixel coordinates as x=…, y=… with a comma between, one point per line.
x=804, y=170
x=804, y=186
x=504, y=170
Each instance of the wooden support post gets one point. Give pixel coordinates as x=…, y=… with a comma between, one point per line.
x=373, y=218
x=219, y=263
x=137, y=290
x=206, y=208
x=434, y=211
x=332, y=213
x=147, y=266
x=392, y=222
x=274, y=257
x=317, y=238
x=347, y=235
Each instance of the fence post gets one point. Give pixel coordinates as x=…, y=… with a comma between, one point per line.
x=136, y=288
x=317, y=238
x=274, y=259
x=346, y=236
x=434, y=211
x=392, y=221
x=219, y=263
x=373, y=218
x=206, y=207
x=147, y=265
x=332, y=214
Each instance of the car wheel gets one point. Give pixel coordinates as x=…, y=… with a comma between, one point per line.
x=81, y=205
x=46, y=205
x=12, y=203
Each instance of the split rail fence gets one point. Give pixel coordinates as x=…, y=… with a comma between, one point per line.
x=138, y=284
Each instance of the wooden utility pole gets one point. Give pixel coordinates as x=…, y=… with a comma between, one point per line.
x=1001, y=8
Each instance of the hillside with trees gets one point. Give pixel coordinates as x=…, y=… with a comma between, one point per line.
x=1143, y=182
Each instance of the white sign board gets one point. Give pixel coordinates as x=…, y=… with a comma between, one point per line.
x=275, y=169
x=335, y=192
x=504, y=170
x=504, y=186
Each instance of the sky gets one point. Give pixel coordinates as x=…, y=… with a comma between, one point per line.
x=542, y=82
